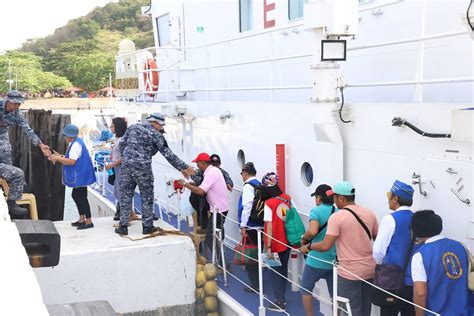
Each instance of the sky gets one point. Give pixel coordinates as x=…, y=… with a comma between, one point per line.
x=24, y=19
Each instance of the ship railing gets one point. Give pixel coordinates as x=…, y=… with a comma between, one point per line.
x=418, y=82
x=336, y=300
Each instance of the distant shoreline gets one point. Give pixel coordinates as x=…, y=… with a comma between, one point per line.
x=68, y=103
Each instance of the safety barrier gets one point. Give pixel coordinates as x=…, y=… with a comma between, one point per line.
x=335, y=303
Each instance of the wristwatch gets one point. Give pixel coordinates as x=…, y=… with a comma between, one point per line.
x=303, y=238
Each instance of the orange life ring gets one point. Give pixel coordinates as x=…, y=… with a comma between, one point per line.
x=151, y=77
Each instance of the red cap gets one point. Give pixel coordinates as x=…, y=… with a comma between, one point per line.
x=202, y=157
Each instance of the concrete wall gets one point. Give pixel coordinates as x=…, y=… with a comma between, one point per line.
x=133, y=276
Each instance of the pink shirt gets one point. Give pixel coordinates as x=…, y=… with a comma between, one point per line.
x=353, y=246
x=216, y=189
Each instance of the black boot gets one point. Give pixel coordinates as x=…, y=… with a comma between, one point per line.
x=121, y=230
x=16, y=210
x=117, y=213
x=151, y=229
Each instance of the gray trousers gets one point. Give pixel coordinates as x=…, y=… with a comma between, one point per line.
x=358, y=293
x=13, y=175
x=130, y=178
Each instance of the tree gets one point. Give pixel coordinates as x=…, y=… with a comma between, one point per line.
x=28, y=73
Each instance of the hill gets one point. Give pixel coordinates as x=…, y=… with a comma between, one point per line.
x=83, y=50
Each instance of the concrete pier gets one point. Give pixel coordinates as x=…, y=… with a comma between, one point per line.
x=152, y=276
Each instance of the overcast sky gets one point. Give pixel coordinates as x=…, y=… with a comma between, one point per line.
x=24, y=19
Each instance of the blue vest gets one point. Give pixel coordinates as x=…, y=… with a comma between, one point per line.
x=400, y=242
x=445, y=263
x=81, y=173
x=250, y=223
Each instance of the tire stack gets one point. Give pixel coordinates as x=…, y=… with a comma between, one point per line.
x=206, y=290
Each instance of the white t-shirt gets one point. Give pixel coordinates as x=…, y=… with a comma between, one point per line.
x=76, y=151
x=418, y=272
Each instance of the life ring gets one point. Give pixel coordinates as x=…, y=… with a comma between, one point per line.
x=151, y=77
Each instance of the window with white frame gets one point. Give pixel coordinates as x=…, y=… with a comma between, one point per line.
x=246, y=15
x=163, y=26
x=295, y=8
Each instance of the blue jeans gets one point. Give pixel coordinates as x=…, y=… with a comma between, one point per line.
x=279, y=283
x=312, y=275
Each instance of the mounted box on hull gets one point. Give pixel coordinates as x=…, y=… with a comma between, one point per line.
x=462, y=125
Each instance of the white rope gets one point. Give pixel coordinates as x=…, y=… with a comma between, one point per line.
x=344, y=269
x=264, y=297
x=320, y=298
x=357, y=277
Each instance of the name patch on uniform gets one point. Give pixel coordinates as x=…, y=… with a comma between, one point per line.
x=452, y=266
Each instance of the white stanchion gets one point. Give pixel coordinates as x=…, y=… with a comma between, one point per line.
x=221, y=246
x=294, y=270
x=261, y=307
x=104, y=172
x=334, y=291
x=179, y=208
x=214, y=220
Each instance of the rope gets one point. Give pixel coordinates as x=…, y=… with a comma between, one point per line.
x=242, y=282
x=320, y=298
x=160, y=232
x=357, y=277
x=344, y=269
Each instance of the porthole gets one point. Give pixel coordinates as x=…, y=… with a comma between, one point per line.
x=307, y=174
x=241, y=158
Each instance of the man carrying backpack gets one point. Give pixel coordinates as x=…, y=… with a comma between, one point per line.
x=248, y=227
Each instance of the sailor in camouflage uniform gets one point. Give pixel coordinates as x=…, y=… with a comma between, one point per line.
x=139, y=144
x=9, y=116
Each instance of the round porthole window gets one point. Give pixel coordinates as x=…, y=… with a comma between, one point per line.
x=307, y=174
x=241, y=158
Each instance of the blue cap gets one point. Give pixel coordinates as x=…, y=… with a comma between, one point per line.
x=71, y=130
x=342, y=188
x=156, y=117
x=14, y=96
x=402, y=190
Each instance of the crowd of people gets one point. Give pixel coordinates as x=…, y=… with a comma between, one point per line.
x=407, y=248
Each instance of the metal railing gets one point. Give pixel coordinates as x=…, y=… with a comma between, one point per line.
x=419, y=81
x=217, y=238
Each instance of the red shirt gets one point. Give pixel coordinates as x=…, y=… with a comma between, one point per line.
x=275, y=211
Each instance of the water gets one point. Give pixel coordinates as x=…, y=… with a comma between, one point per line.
x=70, y=209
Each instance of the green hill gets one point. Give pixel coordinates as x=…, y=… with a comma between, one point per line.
x=83, y=50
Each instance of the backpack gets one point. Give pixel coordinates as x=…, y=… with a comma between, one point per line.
x=256, y=213
x=294, y=226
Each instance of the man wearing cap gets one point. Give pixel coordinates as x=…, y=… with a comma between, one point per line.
x=248, y=227
x=439, y=269
x=216, y=162
x=198, y=202
x=352, y=229
x=214, y=187
x=9, y=116
x=138, y=146
x=393, y=244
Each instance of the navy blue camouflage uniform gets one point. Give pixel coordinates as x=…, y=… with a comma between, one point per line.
x=13, y=175
x=138, y=146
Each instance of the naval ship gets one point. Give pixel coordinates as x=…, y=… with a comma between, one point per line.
x=319, y=91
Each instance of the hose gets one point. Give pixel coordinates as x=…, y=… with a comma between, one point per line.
x=398, y=121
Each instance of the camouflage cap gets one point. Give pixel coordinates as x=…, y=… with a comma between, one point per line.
x=14, y=96
x=156, y=117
